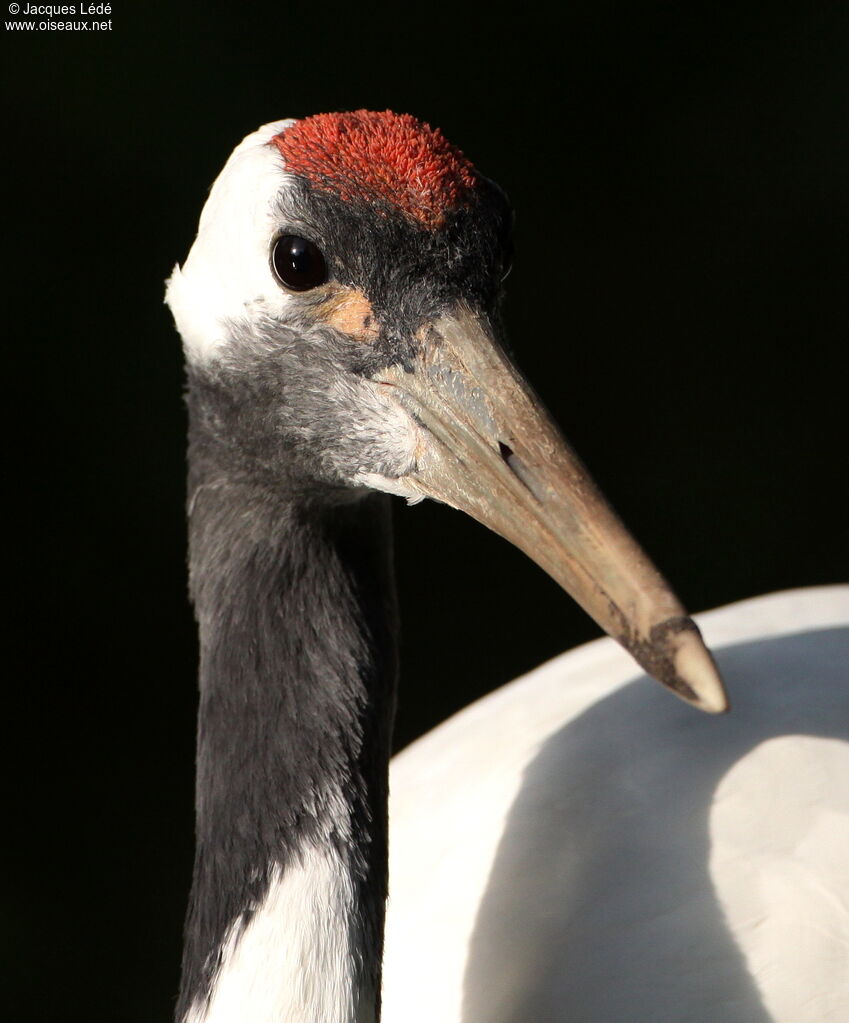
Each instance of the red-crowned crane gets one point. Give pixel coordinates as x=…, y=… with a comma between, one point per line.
x=339, y=312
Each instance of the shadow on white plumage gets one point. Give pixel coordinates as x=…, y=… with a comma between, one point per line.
x=574, y=848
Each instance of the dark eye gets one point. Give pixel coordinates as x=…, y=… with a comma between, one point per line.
x=298, y=263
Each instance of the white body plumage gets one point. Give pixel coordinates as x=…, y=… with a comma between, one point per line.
x=573, y=847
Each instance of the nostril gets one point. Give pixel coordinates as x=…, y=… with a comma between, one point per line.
x=522, y=473
x=507, y=454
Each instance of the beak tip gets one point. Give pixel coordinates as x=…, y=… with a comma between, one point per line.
x=677, y=657
x=695, y=671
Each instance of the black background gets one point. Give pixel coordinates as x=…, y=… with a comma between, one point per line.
x=680, y=177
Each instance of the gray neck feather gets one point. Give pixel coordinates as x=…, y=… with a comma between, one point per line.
x=296, y=609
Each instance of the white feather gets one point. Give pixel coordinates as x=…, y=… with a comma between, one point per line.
x=294, y=960
x=227, y=275
x=575, y=847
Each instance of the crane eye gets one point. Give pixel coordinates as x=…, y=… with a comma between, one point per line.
x=298, y=263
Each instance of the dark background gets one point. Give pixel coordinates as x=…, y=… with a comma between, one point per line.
x=680, y=175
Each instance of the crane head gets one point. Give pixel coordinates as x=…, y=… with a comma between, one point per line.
x=340, y=316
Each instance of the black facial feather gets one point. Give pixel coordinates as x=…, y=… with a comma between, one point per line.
x=284, y=404
x=409, y=273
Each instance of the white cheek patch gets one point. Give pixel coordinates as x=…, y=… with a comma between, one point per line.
x=226, y=275
x=391, y=437
x=400, y=487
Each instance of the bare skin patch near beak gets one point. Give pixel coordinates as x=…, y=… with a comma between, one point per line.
x=349, y=311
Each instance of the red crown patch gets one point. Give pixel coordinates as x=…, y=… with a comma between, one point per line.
x=380, y=159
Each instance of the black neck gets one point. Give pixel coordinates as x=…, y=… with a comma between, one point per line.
x=297, y=618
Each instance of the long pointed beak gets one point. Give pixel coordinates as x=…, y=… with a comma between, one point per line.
x=490, y=449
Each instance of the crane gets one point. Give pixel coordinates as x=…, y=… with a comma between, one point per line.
x=339, y=314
